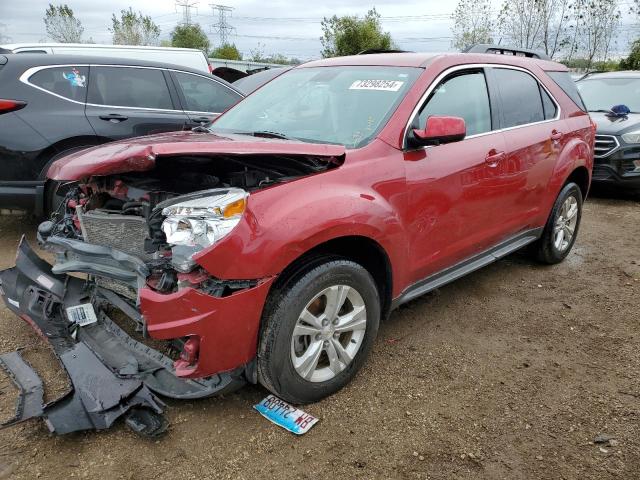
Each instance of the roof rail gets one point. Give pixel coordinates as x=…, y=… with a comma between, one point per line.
x=502, y=50
x=371, y=51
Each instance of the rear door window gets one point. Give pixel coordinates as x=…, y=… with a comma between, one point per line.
x=549, y=106
x=203, y=94
x=520, y=95
x=464, y=95
x=129, y=87
x=68, y=82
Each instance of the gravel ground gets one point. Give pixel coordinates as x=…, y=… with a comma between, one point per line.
x=511, y=372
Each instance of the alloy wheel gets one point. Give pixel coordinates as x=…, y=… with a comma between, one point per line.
x=328, y=333
x=565, y=225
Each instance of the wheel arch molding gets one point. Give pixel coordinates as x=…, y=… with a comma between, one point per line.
x=575, y=160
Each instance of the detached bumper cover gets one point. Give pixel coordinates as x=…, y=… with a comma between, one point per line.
x=111, y=374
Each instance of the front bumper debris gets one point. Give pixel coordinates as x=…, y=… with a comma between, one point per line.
x=112, y=375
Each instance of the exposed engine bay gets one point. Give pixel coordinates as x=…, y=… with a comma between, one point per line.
x=162, y=217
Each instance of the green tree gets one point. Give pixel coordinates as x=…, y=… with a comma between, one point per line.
x=61, y=24
x=472, y=23
x=134, y=29
x=349, y=35
x=190, y=36
x=228, y=51
x=632, y=62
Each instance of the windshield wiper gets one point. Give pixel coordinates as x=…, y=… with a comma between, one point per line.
x=606, y=111
x=268, y=134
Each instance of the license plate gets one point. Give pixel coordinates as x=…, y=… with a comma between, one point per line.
x=82, y=314
x=285, y=415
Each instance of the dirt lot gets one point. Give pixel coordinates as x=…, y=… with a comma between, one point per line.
x=509, y=373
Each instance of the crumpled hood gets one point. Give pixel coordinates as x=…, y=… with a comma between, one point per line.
x=615, y=126
x=139, y=154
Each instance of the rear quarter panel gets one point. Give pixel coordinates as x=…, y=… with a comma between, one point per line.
x=578, y=152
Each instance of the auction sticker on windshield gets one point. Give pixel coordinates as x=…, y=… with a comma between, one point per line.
x=285, y=415
x=385, y=85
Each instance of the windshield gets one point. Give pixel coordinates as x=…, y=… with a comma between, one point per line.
x=604, y=93
x=345, y=105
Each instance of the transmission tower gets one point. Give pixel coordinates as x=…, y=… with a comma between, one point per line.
x=222, y=28
x=186, y=6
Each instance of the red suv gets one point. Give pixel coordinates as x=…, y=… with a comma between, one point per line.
x=268, y=247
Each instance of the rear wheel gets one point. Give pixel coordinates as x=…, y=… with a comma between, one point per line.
x=318, y=331
x=561, y=229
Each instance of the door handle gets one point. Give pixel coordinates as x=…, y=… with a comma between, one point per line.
x=114, y=117
x=556, y=135
x=494, y=157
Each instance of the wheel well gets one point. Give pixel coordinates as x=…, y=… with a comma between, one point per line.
x=580, y=176
x=48, y=153
x=362, y=250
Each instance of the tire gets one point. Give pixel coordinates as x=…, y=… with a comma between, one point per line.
x=547, y=249
x=51, y=200
x=281, y=343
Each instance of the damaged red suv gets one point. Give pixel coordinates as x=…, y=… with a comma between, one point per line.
x=268, y=247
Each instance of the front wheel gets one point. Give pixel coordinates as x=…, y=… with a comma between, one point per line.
x=318, y=331
x=561, y=229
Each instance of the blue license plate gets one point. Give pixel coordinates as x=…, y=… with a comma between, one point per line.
x=285, y=415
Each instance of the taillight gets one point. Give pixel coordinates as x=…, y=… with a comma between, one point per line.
x=7, y=106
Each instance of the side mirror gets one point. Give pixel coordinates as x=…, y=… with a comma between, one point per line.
x=439, y=130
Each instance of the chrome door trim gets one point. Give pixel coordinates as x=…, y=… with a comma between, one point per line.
x=471, y=66
x=27, y=74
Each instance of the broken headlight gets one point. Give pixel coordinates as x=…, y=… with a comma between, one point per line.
x=199, y=221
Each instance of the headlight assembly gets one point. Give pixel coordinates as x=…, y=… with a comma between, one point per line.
x=199, y=220
x=632, y=137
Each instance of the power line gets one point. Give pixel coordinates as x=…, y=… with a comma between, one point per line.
x=186, y=5
x=222, y=28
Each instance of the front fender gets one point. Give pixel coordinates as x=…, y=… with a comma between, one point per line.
x=284, y=222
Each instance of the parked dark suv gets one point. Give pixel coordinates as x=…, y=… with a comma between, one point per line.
x=617, y=150
x=51, y=106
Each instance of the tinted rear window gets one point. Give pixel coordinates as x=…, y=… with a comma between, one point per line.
x=521, y=100
x=68, y=82
x=568, y=86
x=129, y=87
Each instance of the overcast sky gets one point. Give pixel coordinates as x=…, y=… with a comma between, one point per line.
x=278, y=26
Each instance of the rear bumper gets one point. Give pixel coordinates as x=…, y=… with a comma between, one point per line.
x=111, y=374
